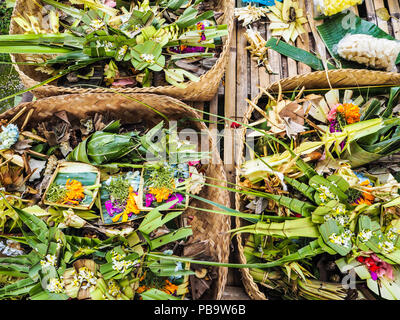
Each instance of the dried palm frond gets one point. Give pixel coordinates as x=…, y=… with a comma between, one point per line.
x=287, y=20
x=250, y=14
x=258, y=48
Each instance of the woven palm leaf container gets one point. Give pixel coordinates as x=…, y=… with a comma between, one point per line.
x=348, y=78
x=202, y=90
x=131, y=109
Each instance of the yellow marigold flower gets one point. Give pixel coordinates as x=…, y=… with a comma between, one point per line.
x=160, y=193
x=331, y=7
x=131, y=206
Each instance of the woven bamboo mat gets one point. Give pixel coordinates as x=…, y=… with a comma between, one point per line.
x=243, y=77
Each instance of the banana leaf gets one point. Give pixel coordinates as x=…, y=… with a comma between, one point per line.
x=357, y=156
x=393, y=100
x=297, y=54
x=36, y=225
x=102, y=147
x=336, y=27
x=302, y=227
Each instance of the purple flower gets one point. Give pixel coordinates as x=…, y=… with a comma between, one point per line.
x=187, y=49
x=149, y=199
x=109, y=207
x=334, y=127
x=374, y=276
x=173, y=197
x=112, y=208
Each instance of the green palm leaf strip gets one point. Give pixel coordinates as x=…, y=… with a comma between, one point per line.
x=297, y=54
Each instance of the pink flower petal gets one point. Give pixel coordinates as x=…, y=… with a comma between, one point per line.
x=110, y=3
x=122, y=82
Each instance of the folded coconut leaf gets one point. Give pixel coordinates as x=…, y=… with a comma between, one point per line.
x=36, y=225
x=305, y=189
x=335, y=28
x=170, y=237
x=297, y=54
x=302, y=227
x=319, y=213
x=19, y=288
x=189, y=17
x=393, y=100
x=37, y=293
x=318, y=180
x=331, y=228
x=154, y=219
x=370, y=109
x=339, y=181
x=155, y=294
x=72, y=11
x=358, y=156
x=167, y=268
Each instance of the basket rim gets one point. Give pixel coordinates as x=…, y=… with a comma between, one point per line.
x=216, y=70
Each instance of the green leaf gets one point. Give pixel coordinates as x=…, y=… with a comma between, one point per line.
x=36, y=225
x=154, y=218
x=297, y=54
x=171, y=237
x=329, y=228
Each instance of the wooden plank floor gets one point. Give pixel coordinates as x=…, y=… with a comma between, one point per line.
x=243, y=77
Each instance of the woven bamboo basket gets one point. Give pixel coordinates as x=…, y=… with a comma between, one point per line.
x=315, y=80
x=210, y=227
x=203, y=90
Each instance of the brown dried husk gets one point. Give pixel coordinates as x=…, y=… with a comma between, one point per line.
x=203, y=90
x=206, y=227
x=335, y=79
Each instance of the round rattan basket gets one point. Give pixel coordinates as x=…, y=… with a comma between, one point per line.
x=203, y=90
x=315, y=80
x=211, y=228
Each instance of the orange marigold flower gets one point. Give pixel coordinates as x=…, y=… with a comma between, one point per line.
x=169, y=287
x=75, y=192
x=142, y=289
x=350, y=111
x=366, y=197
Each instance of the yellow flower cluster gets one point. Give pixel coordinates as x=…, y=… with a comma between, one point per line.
x=75, y=192
x=131, y=206
x=331, y=7
x=161, y=194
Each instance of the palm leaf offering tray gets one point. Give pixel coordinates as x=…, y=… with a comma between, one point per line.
x=73, y=219
x=73, y=185
x=325, y=208
x=121, y=44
